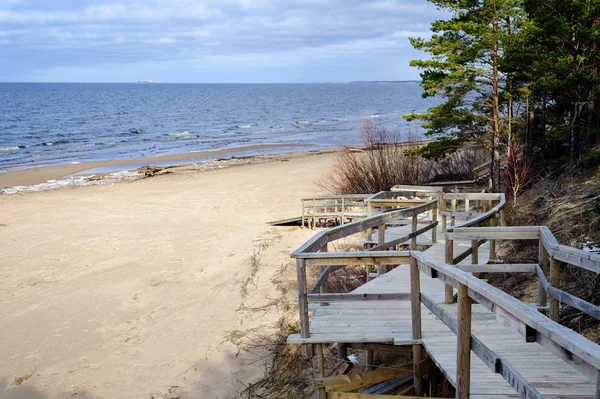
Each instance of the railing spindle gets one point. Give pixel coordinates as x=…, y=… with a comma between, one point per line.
x=555, y=282
x=415, y=307
x=449, y=261
x=543, y=259
x=463, y=344
x=302, y=298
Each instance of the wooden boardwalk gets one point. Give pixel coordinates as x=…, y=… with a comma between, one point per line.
x=514, y=350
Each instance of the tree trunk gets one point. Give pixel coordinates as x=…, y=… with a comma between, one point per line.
x=495, y=141
x=576, y=135
x=530, y=127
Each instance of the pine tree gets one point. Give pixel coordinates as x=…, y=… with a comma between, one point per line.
x=465, y=68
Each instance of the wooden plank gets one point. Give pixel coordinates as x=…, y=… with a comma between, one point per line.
x=515, y=325
x=488, y=356
x=400, y=350
x=464, y=255
x=461, y=214
x=341, y=369
x=463, y=348
x=358, y=260
x=393, y=243
x=564, y=337
x=322, y=279
x=355, y=381
x=543, y=259
x=387, y=386
x=350, y=395
x=577, y=257
x=473, y=196
x=302, y=300
x=400, y=296
x=554, y=282
x=493, y=233
x=318, y=351
x=416, y=189
x=415, y=309
x=567, y=298
x=357, y=254
x=449, y=260
x=358, y=226
x=499, y=268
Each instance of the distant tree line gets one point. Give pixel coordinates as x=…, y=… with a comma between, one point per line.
x=517, y=76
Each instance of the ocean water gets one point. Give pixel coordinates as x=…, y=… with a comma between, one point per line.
x=48, y=124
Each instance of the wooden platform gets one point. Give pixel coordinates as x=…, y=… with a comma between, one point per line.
x=390, y=322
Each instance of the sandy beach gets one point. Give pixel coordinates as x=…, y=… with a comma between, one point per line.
x=135, y=289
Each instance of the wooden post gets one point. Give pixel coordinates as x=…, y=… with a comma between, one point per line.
x=493, y=242
x=502, y=217
x=369, y=214
x=467, y=207
x=474, y=252
x=441, y=207
x=302, y=298
x=381, y=240
x=342, y=217
x=318, y=350
x=555, y=282
x=368, y=360
x=434, y=230
x=453, y=218
x=321, y=269
x=543, y=259
x=415, y=307
x=314, y=218
x=413, y=241
x=449, y=261
x=443, y=223
x=302, y=225
x=463, y=344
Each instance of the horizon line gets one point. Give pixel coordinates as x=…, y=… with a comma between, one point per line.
x=249, y=83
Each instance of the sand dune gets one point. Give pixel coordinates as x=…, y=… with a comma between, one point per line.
x=134, y=290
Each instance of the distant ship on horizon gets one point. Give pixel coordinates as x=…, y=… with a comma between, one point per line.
x=145, y=82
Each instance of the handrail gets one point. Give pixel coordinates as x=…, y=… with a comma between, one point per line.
x=335, y=233
x=524, y=320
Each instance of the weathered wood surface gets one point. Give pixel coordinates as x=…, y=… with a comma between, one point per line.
x=515, y=350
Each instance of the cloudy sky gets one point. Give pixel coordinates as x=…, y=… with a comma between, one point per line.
x=210, y=40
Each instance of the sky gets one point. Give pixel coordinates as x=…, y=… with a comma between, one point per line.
x=211, y=41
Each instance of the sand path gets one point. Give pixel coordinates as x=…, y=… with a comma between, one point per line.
x=132, y=290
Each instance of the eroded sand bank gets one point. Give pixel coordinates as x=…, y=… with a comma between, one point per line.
x=134, y=289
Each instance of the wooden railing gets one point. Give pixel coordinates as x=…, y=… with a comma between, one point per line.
x=338, y=208
x=481, y=226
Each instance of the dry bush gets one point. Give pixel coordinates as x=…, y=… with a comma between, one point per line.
x=288, y=374
x=383, y=163
x=460, y=164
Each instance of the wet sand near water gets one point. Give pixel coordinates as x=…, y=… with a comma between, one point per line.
x=33, y=176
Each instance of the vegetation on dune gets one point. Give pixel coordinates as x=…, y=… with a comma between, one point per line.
x=519, y=77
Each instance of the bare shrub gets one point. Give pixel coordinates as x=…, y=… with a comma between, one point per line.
x=383, y=163
x=460, y=164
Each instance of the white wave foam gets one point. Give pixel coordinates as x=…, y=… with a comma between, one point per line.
x=243, y=126
x=179, y=134
x=9, y=148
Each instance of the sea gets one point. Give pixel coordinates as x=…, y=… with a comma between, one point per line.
x=44, y=124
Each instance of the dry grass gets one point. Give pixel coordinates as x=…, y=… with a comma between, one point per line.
x=567, y=204
x=389, y=158
x=383, y=163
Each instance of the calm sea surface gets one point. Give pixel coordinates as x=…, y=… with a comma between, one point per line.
x=48, y=124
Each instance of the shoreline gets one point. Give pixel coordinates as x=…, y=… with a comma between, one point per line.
x=201, y=160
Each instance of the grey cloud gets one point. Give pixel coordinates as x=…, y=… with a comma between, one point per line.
x=75, y=33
